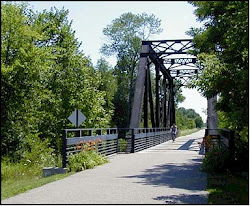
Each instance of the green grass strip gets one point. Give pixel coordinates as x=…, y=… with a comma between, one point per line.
x=188, y=131
x=14, y=187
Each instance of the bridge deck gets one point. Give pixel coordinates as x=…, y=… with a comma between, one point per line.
x=169, y=173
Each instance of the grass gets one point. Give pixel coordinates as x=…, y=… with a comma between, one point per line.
x=12, y=187
x=188, y=131
x=227, y=189
x=20, y=177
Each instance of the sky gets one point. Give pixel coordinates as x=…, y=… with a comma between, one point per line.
x=90, y=17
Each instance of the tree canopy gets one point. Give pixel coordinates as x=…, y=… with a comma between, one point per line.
x=124, y=37
x=45, y=76
x=222, y=46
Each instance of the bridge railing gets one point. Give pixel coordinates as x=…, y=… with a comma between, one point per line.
x=108, y=141
x=223, y=138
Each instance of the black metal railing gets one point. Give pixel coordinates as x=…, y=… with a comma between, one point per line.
x=108, y=141
x=224, y=138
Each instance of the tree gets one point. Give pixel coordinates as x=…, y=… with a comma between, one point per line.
x=108, y=84
x=124, y=40
x=44, y=78
x=222, y=47
x=188, y=119
x=22, y=69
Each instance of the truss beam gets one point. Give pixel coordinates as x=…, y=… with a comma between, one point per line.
x=174, y=67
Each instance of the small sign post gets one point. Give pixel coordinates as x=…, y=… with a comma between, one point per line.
x=77, y=118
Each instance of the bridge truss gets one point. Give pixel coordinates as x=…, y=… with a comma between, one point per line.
x=173, y=67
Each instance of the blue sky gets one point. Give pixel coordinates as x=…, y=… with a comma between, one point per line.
x=90, y=17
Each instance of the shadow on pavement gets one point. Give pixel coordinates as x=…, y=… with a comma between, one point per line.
x=183, y=199
x=184, y=176
x=180, y=176
x=187, y=145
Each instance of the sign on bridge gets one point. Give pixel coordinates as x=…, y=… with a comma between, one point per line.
x=77, y=118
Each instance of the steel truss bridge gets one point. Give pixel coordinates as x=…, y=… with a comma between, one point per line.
x=173, y=67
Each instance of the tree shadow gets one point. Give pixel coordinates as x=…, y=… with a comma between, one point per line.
x=186, y=176
x=183, y=199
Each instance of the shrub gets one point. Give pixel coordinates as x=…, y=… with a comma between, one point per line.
x=85, y=160
x=37, y=152
x=216, y=161
x=122, y=145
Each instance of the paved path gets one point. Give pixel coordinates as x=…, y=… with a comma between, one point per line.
x=169, y=173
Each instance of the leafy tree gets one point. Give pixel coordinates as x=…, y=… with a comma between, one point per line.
x=108, y=83
x=222, y=44
x=199, y=122
x=22, y=68
x=44, y=78
x=188, y=119
x=124, y=36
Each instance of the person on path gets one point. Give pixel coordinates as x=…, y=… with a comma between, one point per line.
x=173, y=131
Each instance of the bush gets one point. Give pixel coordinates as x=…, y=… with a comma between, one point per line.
x=122, y=145
x=37, y=152
x=85, y=160
x=216, y=161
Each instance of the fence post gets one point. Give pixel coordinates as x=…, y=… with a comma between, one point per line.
x=64, y=145
x=132, y=140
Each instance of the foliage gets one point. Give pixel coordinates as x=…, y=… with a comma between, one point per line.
x=227, y=189
x=108, y=84
x=12, y=171
x=224, y=55
x=44, y=78
x=124, y=36
x=122, y=144
x=85, y=160
x=188, y=119
x=216, y=160
x=222, y=47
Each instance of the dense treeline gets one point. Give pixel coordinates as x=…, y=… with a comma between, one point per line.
x=222, y=46
x=44, y=78
x=188, y=119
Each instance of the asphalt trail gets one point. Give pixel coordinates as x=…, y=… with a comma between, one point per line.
x=169, y=173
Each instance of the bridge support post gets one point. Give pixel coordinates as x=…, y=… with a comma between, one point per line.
x=171, y=102
x=157, y=102
x=139, y=89
x=212, y=116
x=151, y=100
x=145, y=106
x=64, y=145
x=164, y=102
x=132, y=140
